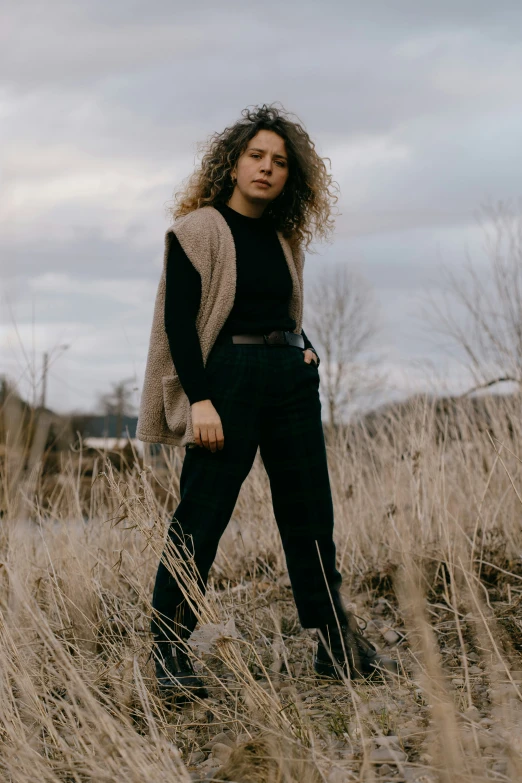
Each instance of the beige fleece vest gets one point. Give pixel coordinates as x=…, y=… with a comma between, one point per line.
x=204, y=235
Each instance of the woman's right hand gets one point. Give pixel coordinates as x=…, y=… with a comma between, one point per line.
x=206, y=423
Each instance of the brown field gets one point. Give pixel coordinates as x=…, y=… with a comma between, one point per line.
x=428, y=514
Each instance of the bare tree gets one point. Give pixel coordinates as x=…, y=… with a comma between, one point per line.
x=118, y=402
x=343, y=322
x=481, y=307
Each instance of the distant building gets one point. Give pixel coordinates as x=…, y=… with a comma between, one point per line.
x=107, y=426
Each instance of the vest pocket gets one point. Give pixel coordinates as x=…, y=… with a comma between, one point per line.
x=176, y=404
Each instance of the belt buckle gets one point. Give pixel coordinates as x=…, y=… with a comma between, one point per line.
x=277, y=340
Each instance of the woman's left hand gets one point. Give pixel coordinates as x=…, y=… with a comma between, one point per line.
x=309, y=356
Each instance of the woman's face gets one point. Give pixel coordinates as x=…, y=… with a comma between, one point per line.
x=265, y=158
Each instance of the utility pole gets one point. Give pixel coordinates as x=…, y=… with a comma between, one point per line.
x=44, y=379
x=120, y=400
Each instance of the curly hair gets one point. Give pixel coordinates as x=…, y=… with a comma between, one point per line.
x=302, y=211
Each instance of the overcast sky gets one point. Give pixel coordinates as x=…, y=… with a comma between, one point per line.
x=102, y=106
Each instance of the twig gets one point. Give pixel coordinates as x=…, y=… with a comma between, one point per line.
x=486, y=385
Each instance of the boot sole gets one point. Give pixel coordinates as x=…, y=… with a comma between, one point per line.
x=329, y=671
x=184, y=686
x=182, y=695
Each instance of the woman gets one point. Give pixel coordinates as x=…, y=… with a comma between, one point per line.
x=230, y=370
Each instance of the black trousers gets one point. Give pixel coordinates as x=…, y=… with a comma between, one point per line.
x=268, y=397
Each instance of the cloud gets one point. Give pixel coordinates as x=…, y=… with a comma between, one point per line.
x=102, y=106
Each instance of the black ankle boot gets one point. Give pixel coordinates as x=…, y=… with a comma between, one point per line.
x=175, y=673
x=361, y=657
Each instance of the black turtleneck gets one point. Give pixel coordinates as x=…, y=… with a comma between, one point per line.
x=263, y=291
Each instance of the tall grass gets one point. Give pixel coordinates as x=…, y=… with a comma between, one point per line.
x=428, y=511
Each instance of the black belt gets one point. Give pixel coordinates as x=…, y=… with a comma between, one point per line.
x=276, y=337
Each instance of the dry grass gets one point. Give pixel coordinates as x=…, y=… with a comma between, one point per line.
x=429, y=538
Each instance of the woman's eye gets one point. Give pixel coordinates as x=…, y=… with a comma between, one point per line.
x=257, y=155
